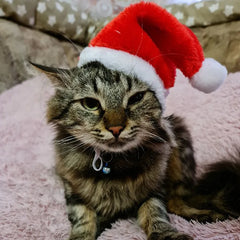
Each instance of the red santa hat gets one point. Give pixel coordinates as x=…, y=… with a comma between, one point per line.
x=148, y=42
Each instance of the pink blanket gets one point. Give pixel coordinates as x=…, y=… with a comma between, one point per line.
x=31, y=196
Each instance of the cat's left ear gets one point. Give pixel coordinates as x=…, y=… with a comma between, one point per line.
x=57, y=76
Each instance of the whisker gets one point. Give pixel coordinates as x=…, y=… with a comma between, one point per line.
x=84, y=150
x=141, y=40
x=69, y=40
x=66, y=139
x=152, y=135
x=67, y=143
x=70, y=150
x=166, y=54
x=77, y=146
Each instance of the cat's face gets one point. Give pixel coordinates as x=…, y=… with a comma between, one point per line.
x=105, y=109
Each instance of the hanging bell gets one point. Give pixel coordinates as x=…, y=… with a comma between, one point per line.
x=106, y=169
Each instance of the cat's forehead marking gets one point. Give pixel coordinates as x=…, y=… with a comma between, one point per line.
x=111, y=88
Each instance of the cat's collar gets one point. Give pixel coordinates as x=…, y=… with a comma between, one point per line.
x=97, y=157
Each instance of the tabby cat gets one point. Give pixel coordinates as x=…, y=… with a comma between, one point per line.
x=118, y=157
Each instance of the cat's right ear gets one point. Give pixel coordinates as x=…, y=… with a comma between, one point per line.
x=57, y=76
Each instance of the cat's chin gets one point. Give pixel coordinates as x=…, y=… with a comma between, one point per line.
x=117, y=147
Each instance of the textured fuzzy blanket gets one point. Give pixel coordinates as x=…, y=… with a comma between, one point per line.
x=31, y=196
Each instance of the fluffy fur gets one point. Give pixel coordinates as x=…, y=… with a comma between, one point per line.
x=151, y=157
x=153, y=34
x=210, y=76
x=128, y=63
x=27, y=165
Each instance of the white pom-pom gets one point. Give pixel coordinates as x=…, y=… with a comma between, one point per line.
x=210, y=76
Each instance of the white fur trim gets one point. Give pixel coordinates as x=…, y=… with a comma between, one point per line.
x=210, y=76
x=127, y=63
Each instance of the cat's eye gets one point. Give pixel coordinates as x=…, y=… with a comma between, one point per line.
x=137, y=97
x=90, y=104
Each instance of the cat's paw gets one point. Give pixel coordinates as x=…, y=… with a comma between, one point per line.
x=211, y=217
x=169, y=236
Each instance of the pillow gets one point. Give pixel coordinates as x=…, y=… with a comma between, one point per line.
x=81, y=20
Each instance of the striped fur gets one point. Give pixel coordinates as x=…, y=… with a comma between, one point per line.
x=151, y=158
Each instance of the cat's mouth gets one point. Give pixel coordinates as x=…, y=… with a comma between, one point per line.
x=118, y=144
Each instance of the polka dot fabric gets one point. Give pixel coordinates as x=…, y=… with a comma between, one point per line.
x=81, y=20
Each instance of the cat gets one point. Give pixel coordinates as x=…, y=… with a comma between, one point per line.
x=119, y=157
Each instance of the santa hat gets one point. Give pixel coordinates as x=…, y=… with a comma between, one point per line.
x=148, y=42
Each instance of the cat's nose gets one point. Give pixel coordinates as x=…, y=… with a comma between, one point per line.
x=116, y=130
